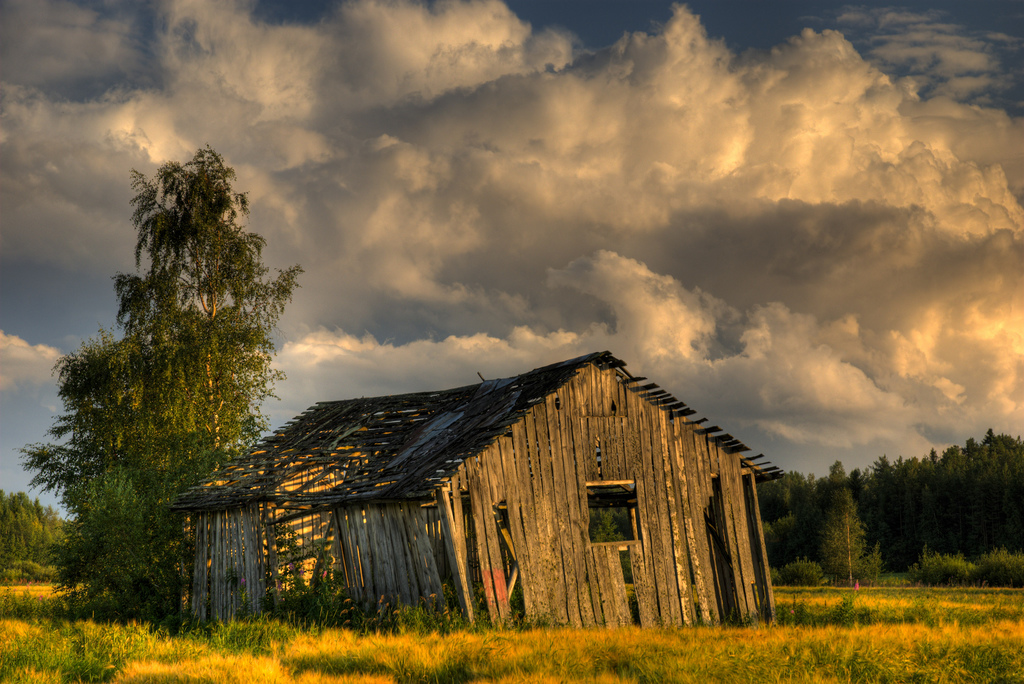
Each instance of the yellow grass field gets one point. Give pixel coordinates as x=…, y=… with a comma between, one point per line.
x=33, y=590
x=894, y=635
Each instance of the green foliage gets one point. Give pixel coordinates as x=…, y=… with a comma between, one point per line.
x=842, y=543
x=117, y=561
x=870, y=565
x=1000, y=568
x=938, y=569
x=801, y=573
x=27, y=530
x=28, y=571
x=966, y=500
x=152, y=412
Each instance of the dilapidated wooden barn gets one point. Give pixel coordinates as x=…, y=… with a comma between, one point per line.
x=495, y=486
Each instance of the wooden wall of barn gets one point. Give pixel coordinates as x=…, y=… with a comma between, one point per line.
x=233, y=559
x=700, y=555
x=518, y=514
x=385, y=553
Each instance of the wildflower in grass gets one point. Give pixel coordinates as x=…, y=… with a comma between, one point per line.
x=324, y=575
x=243, y=580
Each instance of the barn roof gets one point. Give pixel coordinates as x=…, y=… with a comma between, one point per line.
x=394, y=447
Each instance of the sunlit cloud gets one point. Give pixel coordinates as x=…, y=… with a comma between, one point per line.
x=23, y=364
x=820, y=244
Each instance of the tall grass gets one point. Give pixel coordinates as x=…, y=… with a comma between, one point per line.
x=940, y=635
x=929, y=606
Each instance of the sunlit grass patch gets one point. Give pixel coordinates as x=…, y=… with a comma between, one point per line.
x=29, y=601
x=449, y=658
x=10, y=630
x=77, y=651
x=34, y=590
x=925, y=605
x=866, y=636
x=230, y=669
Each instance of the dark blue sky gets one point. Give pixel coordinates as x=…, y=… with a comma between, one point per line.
x=743, y=24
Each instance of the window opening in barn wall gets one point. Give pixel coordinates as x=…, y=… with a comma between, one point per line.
x=612, y=506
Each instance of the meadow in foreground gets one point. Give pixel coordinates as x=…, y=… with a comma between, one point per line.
x=876, y=635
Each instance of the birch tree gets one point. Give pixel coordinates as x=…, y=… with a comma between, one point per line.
x=152, y=411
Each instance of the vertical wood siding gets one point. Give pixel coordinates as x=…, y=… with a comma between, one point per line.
x=516, y=515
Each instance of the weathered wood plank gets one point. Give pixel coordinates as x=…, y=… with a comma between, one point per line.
x=565, y=510
x=514, y=455
x=480, y=506
x=456, y=551
x=577, y=462
x=529, y=459
x=701, y=506
x=618, y=586
x=560, y=551
x=200, y=577
x=647, y=603
x=675, y=492
x=761, y=551
x=735, y=516
x=353, y=577
x=648, y=497
x=375, y=582
x=601, y=584
x=741, y=520
x=693, y=520
x=406, y=570
x=216, y=561
x=666, y=568
x=499, y=574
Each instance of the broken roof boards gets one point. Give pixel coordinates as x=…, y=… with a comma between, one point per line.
x=494, y=487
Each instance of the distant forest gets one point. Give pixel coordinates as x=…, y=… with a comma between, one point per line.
x=27, y=529
x=967, y=500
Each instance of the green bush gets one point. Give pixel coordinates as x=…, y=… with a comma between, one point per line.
x=1000, y=568
x=28, y=571
x=802, y=572
x=870, y=565
x=938, y=569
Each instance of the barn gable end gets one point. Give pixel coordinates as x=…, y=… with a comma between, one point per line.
x=495, y=486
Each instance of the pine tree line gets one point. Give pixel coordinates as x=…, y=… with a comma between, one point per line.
x=27, y=529
x=967, y=500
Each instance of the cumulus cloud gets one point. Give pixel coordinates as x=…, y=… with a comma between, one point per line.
x=60, y=46
x=790, y=375
x=820, y=244
x=24, y=364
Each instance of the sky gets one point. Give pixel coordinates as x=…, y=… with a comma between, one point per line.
x=802, y=219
